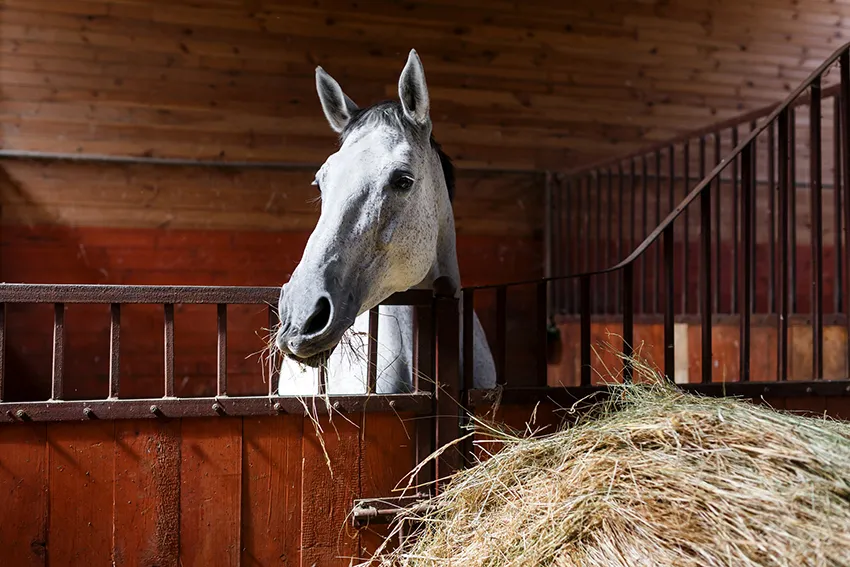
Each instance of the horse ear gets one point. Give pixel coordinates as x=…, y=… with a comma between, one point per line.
x=337, y=106
x=413, y=91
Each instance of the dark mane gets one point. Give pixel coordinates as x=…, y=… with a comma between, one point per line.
x=390, y=113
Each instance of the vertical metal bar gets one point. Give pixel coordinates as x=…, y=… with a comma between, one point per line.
x=747, y=260
x=372, y=357
x=784, y=266
x=753, y=221
x=501, y=333
x=446, y=392
x=838, y=288
x=586, y=248
x=57, y=380
x=844, y=61
x=114, y=349
x=468, y=353
x=628, y=321
x=669, y=305
x=169, y=350
x=550, y=249
x=686, y=241
x=584, y=339
x=2, y=351
x=816, y=196
x=579, y=243
x=644, y=257
x=221, y=358
x=323, y=378
x=633, y=208
x=705, y=268
x=272, y=360
x=792, y=203
x=718, y=206
x=609, y=217
x=771, y=206
x=656, y=266
x=599, y=298
x=424, y=343
x=671, y=197
x=542, y=335
x=562, y=249
x=735, y=223
x=620, y=222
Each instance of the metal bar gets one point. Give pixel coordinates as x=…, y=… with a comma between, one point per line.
x=124, y=294
x=599, y=298
x=792, y=204
x=628, y=321
x=609, y=207
x=705, y=277
x=838, y=287
x=372, y=357
x=468, y=344
x=156, y=408
x=784, y=267
x=560, y=253
x=771, y=206
x=501, y=333
x=753, y=221
x=645, y=233
x=656, y=266
x=323, y=378
x=584, y=339
x=747, y=260
x=272, y=357
x=845, y=170
x=718, y=206
x=586, y=227
x=2, y=351
x=669, y=305
x=548, y=226
x=221, y=355
x=816, y=198
x=686, y=241
x=620, y=221
x=735, y=223
x=114, y=349
x=447, y=389
x=542, y=335
x=633, y=208
x=57, y=379
x=566, y=243
x=169, y=350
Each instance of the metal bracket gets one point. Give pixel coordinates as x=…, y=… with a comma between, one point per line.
x=384, y=510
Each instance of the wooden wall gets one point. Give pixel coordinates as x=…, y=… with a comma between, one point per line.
x=223, y=492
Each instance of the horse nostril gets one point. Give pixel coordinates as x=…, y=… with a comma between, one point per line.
x=320, y=318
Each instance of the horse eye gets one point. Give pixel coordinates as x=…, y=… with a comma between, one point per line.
x=401, y=181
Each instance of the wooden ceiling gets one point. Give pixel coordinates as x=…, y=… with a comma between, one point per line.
x=514, y=85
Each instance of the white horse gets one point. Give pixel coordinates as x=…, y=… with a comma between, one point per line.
x=386, y=226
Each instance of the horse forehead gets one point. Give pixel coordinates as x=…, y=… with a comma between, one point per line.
x=370, y=151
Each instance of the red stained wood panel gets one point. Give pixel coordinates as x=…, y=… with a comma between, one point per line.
x=271, y=491
x=210, y=491
x=23, y=495
x=330, y=482
x=81, y=472
x=388, y=448
x=147, y=493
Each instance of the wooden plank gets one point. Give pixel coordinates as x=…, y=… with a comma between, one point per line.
x=23, y=495
x=388, y=455
x=210, y=491
x=330, y=482
x=81, y=473
x=271, y=491
x=147, y=493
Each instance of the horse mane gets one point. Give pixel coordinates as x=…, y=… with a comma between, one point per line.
x=390, y=113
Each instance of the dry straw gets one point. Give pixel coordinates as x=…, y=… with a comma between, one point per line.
x=651, y=476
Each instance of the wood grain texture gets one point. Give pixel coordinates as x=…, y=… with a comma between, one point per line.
x=330, y=482
x=507, y=81
x=23, y=495
x=388, y=449
x=81, y=474
x=271, y=491
x=210, y=491
x=146, y=516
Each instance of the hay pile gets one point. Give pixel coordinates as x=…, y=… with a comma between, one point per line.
x=652, y=476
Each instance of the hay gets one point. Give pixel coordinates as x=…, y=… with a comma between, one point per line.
x=652, y=476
